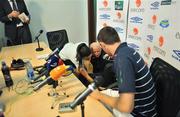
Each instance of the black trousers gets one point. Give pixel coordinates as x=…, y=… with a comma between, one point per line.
x=22, y=36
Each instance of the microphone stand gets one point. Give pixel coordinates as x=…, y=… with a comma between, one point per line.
x=39, y=48
x=82, y=109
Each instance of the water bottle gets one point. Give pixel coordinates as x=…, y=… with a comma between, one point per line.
x=7, y=76
x=2, y=109
x=29, y=70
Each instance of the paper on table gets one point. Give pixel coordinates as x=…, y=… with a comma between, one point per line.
x=42, y=56
x=23, y=17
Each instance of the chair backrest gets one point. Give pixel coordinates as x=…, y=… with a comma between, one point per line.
x=57, y=39
x=167, y=83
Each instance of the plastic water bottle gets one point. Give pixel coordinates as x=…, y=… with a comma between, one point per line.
x=7, y=76
x=29, y=70
x=2, y=109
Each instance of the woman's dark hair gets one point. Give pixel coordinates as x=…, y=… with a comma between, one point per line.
x=82, y=51
x=108, y=35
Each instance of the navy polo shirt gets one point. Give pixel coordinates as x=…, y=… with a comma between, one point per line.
x=134, y=76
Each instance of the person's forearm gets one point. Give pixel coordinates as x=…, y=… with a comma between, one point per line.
x=110, y=101
x=117, y=103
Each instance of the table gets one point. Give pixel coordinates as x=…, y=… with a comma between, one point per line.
x=25, y=51
x=38, y=104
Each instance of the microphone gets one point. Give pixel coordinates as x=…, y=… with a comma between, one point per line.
x=56, y=51
x=107, y=57
x=51, y=63
x=39, y=34
x=36, y=38
x=55, y=74
x=64, y=107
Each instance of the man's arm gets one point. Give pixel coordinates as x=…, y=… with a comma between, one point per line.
x=26, y=10
x=7, y=17
x=83, y=72
x=3, y=17
x=123, y=103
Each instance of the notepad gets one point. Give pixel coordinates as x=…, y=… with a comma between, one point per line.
x=23, y=17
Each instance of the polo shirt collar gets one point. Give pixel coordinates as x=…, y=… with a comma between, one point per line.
x=124, y=44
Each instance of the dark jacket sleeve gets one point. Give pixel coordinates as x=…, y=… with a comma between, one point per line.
x=25, y=9
x=3, y=16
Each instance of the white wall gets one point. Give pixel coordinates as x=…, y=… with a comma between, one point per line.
x=50, y=15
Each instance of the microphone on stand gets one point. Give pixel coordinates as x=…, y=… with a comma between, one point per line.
x=37, y=38
x=67, y=107
x=56, y=51
x=55, y=74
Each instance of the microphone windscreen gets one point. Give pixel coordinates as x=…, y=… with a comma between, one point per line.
x=41, y=31
x=106, y=56
x=57, y=72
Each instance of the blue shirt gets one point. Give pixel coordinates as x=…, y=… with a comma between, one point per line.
x=133, y=76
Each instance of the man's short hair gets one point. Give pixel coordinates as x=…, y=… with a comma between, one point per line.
x=108, y=35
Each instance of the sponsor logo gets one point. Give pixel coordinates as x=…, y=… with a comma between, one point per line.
x=105, y=16
x=150, y=38
x=164, y=23
x=134, y=46
x=176, y=55
x=118, y=29
x=105, y=3
x=155, y=5
x=135, y=31
x=118, y=15
x=119, y=5
x=161, y=41
x=138, y=10
x=151, y=26
x=118, y=18
x=134, y=37
x=147, y=53
x=159, y=51
x=138, y=3
x=177, y=35
x=154, y=20
x=105, y=7
x=166, y=2
x=136, y=20
x=149, y=50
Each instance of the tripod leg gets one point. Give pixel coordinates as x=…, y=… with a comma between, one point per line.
x=63, y=90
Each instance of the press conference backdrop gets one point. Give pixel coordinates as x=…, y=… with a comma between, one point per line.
x=153, y=27
x=112, y=13
x=52, y=15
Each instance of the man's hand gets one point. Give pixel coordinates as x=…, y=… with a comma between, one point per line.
x=27, y=21
x=13, y=14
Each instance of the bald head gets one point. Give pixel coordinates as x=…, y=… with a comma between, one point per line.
x=96, y=49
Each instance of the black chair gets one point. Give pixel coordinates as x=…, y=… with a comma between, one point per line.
x=167, y=83
x=57, y=39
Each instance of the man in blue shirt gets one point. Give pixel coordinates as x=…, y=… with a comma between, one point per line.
x=136, y=90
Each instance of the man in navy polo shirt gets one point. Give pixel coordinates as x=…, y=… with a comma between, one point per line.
x=136, y=90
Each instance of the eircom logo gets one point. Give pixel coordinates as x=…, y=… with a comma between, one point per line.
x=135, y=31
x=105, y=3
x=138, y=3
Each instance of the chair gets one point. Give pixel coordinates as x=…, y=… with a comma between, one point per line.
x=57, y=39
x=167, y=83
